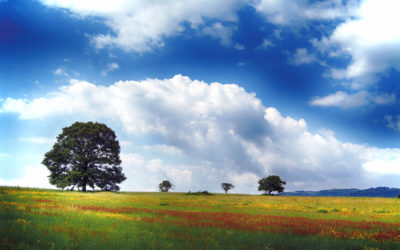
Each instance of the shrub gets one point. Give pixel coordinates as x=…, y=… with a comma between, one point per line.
x=323, y=211
x=205, y=192
x=382, y=211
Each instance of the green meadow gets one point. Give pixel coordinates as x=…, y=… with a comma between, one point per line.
x=51, y=219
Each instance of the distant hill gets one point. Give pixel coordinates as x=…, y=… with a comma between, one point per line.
x=370, y=192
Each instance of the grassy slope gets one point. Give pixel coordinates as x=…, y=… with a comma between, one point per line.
x=33, y=218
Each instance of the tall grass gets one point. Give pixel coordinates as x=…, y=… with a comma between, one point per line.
x=49, y=219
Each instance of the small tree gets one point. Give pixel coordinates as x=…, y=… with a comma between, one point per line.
x=226, y=187
x=85, y=154
x=270, y=184
x=165, y=186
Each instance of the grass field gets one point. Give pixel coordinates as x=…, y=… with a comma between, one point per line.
x=50, y=219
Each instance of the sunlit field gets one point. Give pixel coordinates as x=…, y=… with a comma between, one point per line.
x=49, y=219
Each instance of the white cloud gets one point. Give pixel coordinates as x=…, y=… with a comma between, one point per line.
x=110, y=67
x=266, y=44
x=367, y=34
x=139, y=26
x=238, y=46
x=125, y=143
x=38, y=140
x=214, y=131
x=385, y=99
x=33, y=176
x=132, y=159
x=393, y=122
x=145, y=175
x=302, y=56
x=60, y=72
x=371, y=38
x=222, y=33
x=383, y=161
x=166, y=149
x=286, y=12
x=343, y=100
x=243, y=181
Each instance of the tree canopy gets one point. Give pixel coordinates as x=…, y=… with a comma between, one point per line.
x=165, y=186
x=85, y=154
x=270, y=184
x=227, y=186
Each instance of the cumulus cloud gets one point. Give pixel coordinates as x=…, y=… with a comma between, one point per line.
x=371, y=38
x=153, y=171
x=367, y=30
x=366, y=34
x=218, y=132
x=32, y=176
x=383, y=161
x=139, y=26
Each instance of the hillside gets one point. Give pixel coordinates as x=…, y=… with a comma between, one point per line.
x=370, y=192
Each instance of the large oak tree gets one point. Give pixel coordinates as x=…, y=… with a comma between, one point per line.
x=270, y=184
x=85, y=154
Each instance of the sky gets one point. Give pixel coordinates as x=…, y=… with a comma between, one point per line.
x=201, y=92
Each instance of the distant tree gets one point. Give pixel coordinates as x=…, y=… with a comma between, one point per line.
x=226, y=187
x=270, y=184
x=398, y=196
x=165, y=186
x=85, y=154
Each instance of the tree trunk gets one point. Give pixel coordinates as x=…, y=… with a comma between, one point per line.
x=85, y=178
x=85, y=181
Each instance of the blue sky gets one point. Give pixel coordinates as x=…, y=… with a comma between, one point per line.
x=204, y=92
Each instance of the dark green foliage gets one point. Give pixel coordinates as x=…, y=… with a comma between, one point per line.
x=270, y=184
x=205, y=192
x=165, y=186
x=398, y=196
x=226, y=187
x=85, y=154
